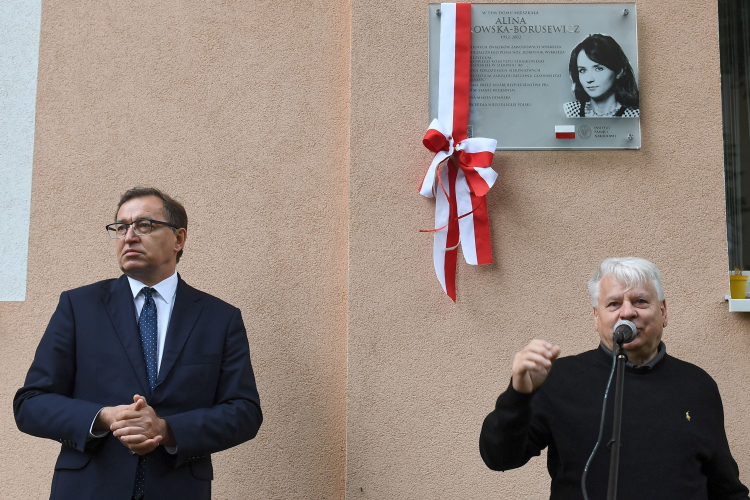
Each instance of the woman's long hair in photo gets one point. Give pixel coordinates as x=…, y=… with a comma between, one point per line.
x=604, y=50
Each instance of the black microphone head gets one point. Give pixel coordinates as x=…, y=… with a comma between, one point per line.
x=624, y=332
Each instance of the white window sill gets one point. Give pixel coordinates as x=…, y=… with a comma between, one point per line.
x=738, y=305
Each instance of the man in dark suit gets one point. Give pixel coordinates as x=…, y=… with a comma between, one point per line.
x=142, y=377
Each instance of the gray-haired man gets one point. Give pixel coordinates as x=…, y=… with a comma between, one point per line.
x=674, y=444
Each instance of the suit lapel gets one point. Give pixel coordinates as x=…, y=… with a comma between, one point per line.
x=121, y=309
x=187, y=308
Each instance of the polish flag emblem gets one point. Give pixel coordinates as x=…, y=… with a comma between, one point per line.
x=565, y=132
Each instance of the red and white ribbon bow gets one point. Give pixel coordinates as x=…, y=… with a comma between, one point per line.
x=460, y=208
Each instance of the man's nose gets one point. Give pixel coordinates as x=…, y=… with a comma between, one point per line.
x=130, y=234
x=627, y=311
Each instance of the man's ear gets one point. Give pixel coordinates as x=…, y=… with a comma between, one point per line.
x=663, y=307
x=180, y=237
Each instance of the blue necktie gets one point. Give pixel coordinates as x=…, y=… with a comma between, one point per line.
x=147, y=327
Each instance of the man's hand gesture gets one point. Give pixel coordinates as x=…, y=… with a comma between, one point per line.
x=139, y=427
x=532, y=365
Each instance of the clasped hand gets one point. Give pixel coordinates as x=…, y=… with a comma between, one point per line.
x=136, y=425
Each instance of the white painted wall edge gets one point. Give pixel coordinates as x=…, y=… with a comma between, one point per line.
x=20, y=25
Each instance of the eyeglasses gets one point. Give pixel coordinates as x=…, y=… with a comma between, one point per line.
x=141, y=227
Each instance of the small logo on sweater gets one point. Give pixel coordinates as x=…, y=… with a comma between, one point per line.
x=687, y=416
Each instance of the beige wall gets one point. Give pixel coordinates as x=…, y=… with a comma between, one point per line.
x=423, y=372
x=372, y=381
x=239, y=109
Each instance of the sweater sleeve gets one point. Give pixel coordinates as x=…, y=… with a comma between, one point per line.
x=722, y=473
x=512, y=433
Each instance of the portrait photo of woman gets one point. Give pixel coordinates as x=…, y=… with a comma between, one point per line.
x=604, y=83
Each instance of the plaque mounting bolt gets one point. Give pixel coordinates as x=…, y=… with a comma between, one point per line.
x=630, y=137
x=624, y=12
x=437, y=12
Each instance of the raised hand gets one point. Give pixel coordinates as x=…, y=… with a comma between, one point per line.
x=532, y=365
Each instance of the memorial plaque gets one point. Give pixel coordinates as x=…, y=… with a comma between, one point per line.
x=550, y=76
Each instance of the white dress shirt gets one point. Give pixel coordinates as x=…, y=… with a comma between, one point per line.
x=164, y=300
x=165, y=292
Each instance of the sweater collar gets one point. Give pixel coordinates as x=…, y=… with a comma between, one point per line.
x=661, y=352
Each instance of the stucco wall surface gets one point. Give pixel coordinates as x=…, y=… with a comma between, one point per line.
x=239, y=110
x=367, y=373
x=424, y=372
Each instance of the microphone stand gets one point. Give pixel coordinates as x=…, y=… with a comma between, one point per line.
x=614, y=444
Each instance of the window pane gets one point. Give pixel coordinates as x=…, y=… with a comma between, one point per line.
x=734, y=46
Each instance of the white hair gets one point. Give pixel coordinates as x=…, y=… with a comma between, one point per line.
x=630, y=271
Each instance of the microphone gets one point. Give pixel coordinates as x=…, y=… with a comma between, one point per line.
x=624, y=332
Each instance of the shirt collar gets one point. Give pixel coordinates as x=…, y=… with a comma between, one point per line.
x=661, y=352
x=165, y=288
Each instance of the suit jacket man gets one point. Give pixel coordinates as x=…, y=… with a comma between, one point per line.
x=91, y=357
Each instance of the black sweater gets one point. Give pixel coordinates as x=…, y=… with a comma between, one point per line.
x=673, y=440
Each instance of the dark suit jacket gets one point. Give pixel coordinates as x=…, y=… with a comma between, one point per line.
x=90, y=356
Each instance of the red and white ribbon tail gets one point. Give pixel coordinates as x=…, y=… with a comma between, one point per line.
x=442, y=216
x=445, y=246
x=474, y=227
x=475, y=179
